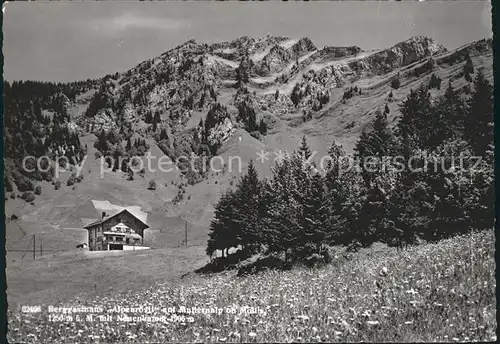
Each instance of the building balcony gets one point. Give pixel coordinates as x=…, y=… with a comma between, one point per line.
x=130, y=242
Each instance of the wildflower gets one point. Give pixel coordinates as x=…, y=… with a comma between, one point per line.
x=372, y=322
x=252, y=334
x=412, y=291
x=366, y=313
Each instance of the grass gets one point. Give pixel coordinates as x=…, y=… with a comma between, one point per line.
x=434, y=292
x=60, y=278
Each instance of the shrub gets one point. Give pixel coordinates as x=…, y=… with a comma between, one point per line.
x=24, y=184
x=256, y=134
x=467, y=76
x=38, y=190
x=71, y=180
x=13, y=195
x=395, y=83
x=314, y=260
x=152, y=185
x=28, y=196
x=57, y=185
x=135, y=162
x=13, y=217
x=435, y=82
x=262, y=264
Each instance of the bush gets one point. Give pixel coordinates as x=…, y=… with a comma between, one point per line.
x=57, y=185
x=262, y=264
x=152, y=185
x=435, y=82
x=13, y=195
x=314, y=260
x=71, y=180
x=28, y=196
x=305, y=251
x=395, y=83
x=38, y=190
x=256, y=134
x=24, y=184
x=13, y=217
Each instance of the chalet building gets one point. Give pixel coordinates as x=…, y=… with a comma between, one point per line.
x=120, y=231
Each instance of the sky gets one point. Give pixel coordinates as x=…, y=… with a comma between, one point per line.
x=67, y=41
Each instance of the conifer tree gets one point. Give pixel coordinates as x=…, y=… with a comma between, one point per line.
x=386, y=110
x=247, y=209
x=479, y=119
x=469, y=66
x=304, y=150
x=449, y=115
x=222, y=235
x=363, y=150
x=262, y=127
x=314, y=213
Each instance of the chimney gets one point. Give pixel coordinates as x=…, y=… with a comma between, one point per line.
x=103, y=214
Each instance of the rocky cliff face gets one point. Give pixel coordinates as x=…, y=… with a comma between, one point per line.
x=403, y=54
x=193, y=76
x=337, y=52
x=220, y=133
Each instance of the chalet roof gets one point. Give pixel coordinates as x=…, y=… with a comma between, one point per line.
x=107, y=218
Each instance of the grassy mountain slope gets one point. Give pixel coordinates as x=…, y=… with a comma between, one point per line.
x=57, y=215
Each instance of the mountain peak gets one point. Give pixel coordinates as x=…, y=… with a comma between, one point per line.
x=423, y=42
